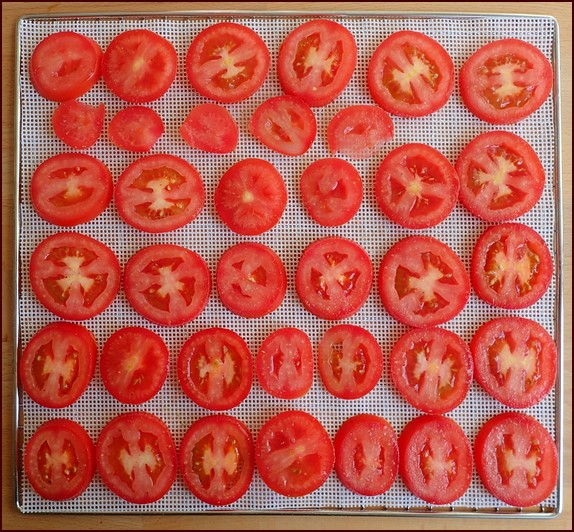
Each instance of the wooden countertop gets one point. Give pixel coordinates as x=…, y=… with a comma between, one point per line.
x=13, y=519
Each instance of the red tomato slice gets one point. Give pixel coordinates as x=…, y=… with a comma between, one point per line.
x=251, y=280
x=60, y=460
x=136, y=457
x=410, y=74
x=432, y=369
x=71, y=189
x=294, y=454
x=516, y=459
x=74, y=276
x=133, y=364
x=251, y=197
x=332, y=191
x=359, y=131
x=422, y=282
x=366, y=454
x=515, y=361
x=511, y=266
x=210, y=127
x=159, y=193
x=501, y=177
x=215, y=369
x=505, y=81
x=217, y=459
x=435, y=459
x=350, y=361
x=316, y=61
x=58, y=364
x=135, y=128
x=167, y=284
x=65, y=65
x=78, y=124
x=334, y=278
x=227, y=62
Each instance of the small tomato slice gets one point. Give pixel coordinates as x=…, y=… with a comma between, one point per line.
x=211, y=128
x=135, y=128
x=78, y=124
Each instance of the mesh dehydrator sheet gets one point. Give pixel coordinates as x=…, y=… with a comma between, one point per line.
x=447, y=130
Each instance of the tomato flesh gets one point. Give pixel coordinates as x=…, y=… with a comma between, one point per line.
x=210, y=127
x=135, y=128
x=78, y=124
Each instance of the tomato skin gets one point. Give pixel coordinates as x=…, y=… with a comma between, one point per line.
x=78, y=124
x=135, y=128
x=211, y=128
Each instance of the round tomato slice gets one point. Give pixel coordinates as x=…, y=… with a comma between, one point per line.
x=334, y=278
x=422, y=282
x=251, y=280
x=78, y=124
x=227, y=62
x=167, y=284
x=74, y=276
x=251, y=197
x=215, y=369
x=60, y=460
x=511, y=266
x=515, y=361
x=516, y=459
x=435, y=459
x=159, y=193
x=284, y=363
x=316, y=61
x=211, y=128
x=135, y=128
x=359, y=131
x=410, y=74
x=505, y=81
x=71, y=189
x=136, y=457
x=65, y=65
x=432, y=369
x=217, y=459
x=58, y=364
x=350, y=361
x=133, y=364
x=501, y=177
x=294, y=454
x=366, y=454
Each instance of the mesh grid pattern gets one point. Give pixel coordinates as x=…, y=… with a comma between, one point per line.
x=448, y=130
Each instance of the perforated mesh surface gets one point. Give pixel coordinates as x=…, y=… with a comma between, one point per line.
x=448, y=130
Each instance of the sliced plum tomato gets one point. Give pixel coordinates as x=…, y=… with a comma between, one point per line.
x=136, y=457
x=284, y=363
x=511, y=266
x=60, y=460
x=251, y=197
x=58, y=364
x=359, y=131
x=516, y=459
x=217, y=459
x=71, y=189
x=432, y=369
x=515, y=361
x=215, y=369
x=139, y=66
x=294, y=454
x=159, y=193
x=422, y=282
x=134, y=364
x=74, y=276
x=211, y=128
x=78, y=124
x=350, y=361
x=435, y=459
x=505, y=81
x=410, y=74
x=316, y=61
x=332, y=191
x=366, y=454
x=251, y=280
x=334, y=278
x=167, y=284
x=65, y=65
x=227, y=62
x=416, y=186
x=501, y=177
x=135, y=128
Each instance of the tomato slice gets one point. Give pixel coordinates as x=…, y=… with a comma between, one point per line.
x=217, y=459
x=135, y=128
x=78, y=124
x=215, y=369
x=211, y=128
